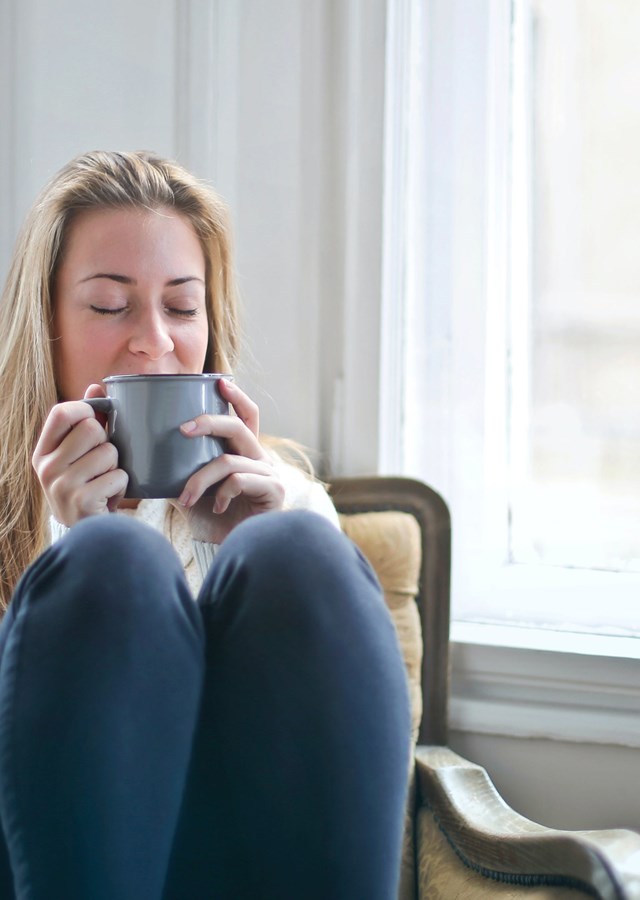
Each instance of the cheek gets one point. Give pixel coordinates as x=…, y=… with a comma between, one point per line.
x=65, y=349
x=83, y=355
x=195, y=348
x=70, y=362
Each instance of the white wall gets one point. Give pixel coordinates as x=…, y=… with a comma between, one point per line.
x=281, y=104
x=555, y=726
x=73, y=82
x=560, y=784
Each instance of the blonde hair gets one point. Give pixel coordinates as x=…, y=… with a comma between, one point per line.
x=94, y=180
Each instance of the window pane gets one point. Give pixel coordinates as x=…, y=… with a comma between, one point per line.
x=578, y=502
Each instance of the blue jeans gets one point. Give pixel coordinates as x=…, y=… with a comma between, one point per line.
x=253, y=744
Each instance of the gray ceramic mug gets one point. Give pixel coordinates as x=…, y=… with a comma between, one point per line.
x=144, y=417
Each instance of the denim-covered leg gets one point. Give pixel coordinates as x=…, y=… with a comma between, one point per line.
x=298, y=782
x=100, y=683
x=6, y=876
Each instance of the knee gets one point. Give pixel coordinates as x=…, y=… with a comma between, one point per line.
x=105, y=567
x=292, y=589
x=294, y=564
x=113, y=544
x=293, y=545
x=286, y=533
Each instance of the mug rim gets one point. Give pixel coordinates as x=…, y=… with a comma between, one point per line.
x=178, y=376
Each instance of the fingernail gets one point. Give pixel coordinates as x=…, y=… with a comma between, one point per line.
x=189, y=426
x=184, y=498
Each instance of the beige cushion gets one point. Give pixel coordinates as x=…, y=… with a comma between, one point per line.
x=391, y=541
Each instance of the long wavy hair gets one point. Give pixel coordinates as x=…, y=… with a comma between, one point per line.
x=97, y=180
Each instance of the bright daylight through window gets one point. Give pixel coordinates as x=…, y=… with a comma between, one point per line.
x=521, y=275
x=579, y=409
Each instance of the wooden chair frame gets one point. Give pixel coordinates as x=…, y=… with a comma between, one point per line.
x=353, y=495
x=487, y=836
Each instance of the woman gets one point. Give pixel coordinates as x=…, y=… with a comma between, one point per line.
x=253, y=743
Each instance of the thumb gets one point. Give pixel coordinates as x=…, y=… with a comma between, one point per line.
x=94, y=390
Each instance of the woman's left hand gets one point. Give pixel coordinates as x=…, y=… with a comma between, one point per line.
x=247, y=483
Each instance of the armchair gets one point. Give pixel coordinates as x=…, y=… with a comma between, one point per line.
x=461, y=839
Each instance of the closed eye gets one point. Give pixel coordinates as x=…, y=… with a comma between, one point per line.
x=187, y=313
x=108, y=310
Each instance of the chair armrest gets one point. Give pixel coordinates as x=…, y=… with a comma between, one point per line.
x=493, y=840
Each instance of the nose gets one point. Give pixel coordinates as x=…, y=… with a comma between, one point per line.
x=151, y=336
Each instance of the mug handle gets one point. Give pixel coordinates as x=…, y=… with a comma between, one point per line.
x=100, y=404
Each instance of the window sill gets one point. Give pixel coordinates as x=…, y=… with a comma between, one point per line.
x=546, y=640
x=535, y=683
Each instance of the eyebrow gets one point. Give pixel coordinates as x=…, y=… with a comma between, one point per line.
x=125, y=279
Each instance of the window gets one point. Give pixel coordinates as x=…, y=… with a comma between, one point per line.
x=577, y=303
x=521, y=340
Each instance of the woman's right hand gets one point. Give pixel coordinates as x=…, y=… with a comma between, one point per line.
x=76, y=465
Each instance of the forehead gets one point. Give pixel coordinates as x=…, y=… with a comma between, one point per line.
x=138, y=237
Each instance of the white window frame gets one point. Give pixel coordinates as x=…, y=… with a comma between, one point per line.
x=455, y=429
x=507, y=678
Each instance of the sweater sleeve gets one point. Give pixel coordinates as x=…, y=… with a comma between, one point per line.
x=56, y=530
x=303, y=492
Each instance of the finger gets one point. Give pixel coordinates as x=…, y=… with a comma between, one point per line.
x=71, y=491
x=114, y=502
x=86, y=437
x=263, y=493
x=246, y=410
x=94, y=390
x=219, y=469
x=96, y=496
x=82, y=439
x=240, y=439
x=99, y=461
x=59, y=423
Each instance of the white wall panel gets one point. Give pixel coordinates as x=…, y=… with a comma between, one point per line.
x=271, y=194
x=280, y=104
x=81, y=81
